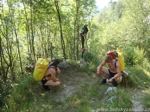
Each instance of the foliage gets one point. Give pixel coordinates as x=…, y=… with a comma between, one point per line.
x=133, y=55
x=90, y=57
x=122, y=100
x=21, y=94
x=5, y=90
x=32, y=29
x=147, y=100
x=137, y=77
x=28, y=95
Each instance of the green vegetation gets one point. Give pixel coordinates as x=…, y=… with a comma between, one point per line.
x=86, y=93
x=147, y=99
x=51, y=29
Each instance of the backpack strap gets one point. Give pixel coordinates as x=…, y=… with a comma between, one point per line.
x=115, y=63
x=51, y=66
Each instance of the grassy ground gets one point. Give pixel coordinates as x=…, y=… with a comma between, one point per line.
x=80, y=91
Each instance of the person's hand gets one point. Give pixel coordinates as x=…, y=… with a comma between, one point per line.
x=98, y=71
x=58, y=71
x=110, y=80
x=57, y=79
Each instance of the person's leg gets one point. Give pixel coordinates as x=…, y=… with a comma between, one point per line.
x=102, y=74
x=103, y=71
x=115, y=81
x=119, y=79
x=112, y=75
x=52, y=83
x=43, y=84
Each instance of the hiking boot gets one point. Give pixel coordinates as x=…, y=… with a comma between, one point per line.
x=103, y=82
x=46, y=88
x=115, y=83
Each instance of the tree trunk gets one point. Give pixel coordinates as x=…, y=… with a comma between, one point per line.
x=27, y=29
x=18, y=48
x=77, y=27
x=60, y=25
x=74, y=42
x=32, y=31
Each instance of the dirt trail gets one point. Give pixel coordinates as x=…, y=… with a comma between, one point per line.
x=70, y=83
x=136, y=101
x=137, y=98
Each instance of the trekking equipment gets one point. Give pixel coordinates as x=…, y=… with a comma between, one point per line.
x=84, y=29
x=103, y=82
x=118, y=55
x=40, y=68
x=120, y=58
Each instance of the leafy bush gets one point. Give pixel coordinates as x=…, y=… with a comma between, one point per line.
x=91, y=58
x=137, y=78
x=21, y=95
x=146, y=64
x=4, y=92
x=133, y=55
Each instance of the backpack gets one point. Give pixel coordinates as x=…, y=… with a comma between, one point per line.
x=40, y=68
x=120, y=58
x=84, y=29
x=118, y=55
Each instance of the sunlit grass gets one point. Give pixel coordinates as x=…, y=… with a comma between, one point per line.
x=138, y=77
x=28, y=95
x=146, y=72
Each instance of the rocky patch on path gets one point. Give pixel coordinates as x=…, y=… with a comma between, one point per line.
x=137, y=101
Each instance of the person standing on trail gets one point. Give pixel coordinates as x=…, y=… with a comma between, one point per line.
x=83, y=36
x=113, y=70
x=49, y=79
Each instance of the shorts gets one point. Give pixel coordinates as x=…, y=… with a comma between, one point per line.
x=43, y=84
x=111, y=73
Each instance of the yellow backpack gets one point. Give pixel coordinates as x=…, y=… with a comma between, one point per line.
x=40, y=68
x=118, y=55
x=120, y=58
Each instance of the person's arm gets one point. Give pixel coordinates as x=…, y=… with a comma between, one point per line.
x=99, y=68
x=118, y=72
x=58, y=70
x=54, y=76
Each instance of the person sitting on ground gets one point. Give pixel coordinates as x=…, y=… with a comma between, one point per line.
x=113, y=70
x=49, y=79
